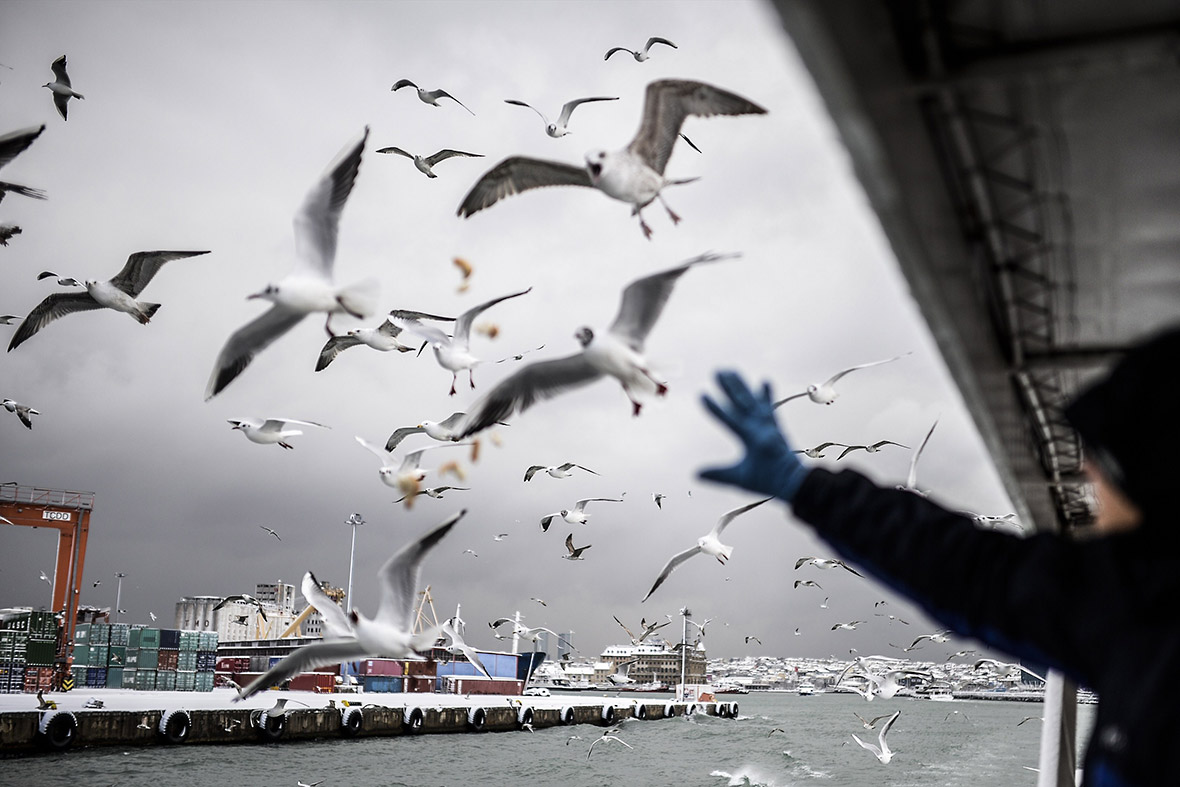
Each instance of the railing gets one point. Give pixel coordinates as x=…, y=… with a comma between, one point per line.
x=35, y=495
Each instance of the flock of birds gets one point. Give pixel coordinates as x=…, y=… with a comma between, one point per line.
x=634, y=175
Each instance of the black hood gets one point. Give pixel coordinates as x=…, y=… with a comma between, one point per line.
x=1130, y=423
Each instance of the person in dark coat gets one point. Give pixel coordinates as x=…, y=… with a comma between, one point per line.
x=1101, y=608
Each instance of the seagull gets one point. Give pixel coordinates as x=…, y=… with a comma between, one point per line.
x=428, y=96
x=634, y=174
x=60, y=87
x=578, y=515
x=618, y=674
x=891, y=617
x=648, y=628
x=383, y=338
x=817, y=452
x=244, y=598
x=45, y=578
x=273, y=533
x=268, y=431
x=405, y=477
x=7, y=230
x=388, y=634
x=457, y=646
x=426, y=164
x=911, y=481
x=575, y=553
x=11, y=145
x=851, y=626
x=825, y=563
x=532, y=633
x=643, y=54
x=9, y=319
x=872, y=449
x=23, y=411
x=617, y=352
x=443, y=431
x=540, y=601
x=1006, y=668
x=232, y=722
x=824, y=605
x=961, y=653
x=1029, y=718
x=143, y=724
x=308, y=287
x=572, y=738
x=452, y=352
x=709, y=544
x=470, y=552
x=807, y=583
x=500, y=537
x=659, y=498
x=870, y=724
x=559, y=471
x=883, y=752
x=97, y=582
x=152, y=615
x=560, y=128
x=609, y=735
x=436, y=492
x=748, y=638
x=305, y=784
x=938, y=636
x=119, y=294
x=825, y=392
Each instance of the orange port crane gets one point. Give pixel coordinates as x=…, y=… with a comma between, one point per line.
x=69, y=514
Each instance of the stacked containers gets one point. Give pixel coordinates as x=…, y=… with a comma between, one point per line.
x=40, y=651
x=147, y=657
x=186, y=666
x=206, y=660
x=13, y=644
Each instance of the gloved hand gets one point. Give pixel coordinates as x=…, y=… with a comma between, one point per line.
x=769, y=467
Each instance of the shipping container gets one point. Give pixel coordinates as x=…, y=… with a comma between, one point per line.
x=148, y=658
x=382, y=667
x=169, y=639
x=423, y=684
x=421, y=668
x=186, y=681
x=204, y=681
x=187, y=660
x=233, y=664
x=18, y=622
x=207, y=660
x=96, y=677
x=208, y=641
x=100, y=634
x=121, y=634
x=149, y=638
x=313, y=681
x=165, y=681
x=169, y=659
x=79, y=675
x=98, y=655
x=82, y=634
x=41, y=653
x=189, y=640
x=115, y=677
x=462, y=668
x=481, y=685
x=383, y=683
x=145, y=679
x=129, y=676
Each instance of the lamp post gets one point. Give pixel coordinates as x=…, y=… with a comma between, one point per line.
x=118, y=596
x=685, y=613
x=355, y=520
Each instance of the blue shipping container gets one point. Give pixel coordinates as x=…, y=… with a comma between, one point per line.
x=383, y=683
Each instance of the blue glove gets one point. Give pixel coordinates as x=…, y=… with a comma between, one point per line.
x=769, y=467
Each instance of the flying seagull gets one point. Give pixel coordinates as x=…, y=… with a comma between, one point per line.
x=807, y=583
x=911, y=481
x=119, y=293
x=11, y=145
x=872, y=449
x=23, y=411
x=45, y=578
x=452, y=352
x=272, y=532
x=406, y=476
x=9, y=319
x=641, y=55
x=442, y=431
x=938, y=636
x=60, y=87
x=578, y=515
x=609, y=735
x=7, y=230
x=825, y=392
x=575, y=553
x=825, y=563
x=428, y=96
x=710, y=544
x=648, y=628
x=383, y=338
x=268, y=431
x=659, y=500
x=816, y=452
x=457, y=646
x=883, y=752
x=244, y=598
x=560, y=128
x=308, y=287
x=559, y=471
x=426, y=164
x=388, y=634
x=436, y=492
x=616, y=352
x=634, y=174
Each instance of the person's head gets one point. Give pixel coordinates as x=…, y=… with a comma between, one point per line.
x=1130, y=427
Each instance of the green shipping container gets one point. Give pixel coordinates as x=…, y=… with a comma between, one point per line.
x=41, y=653
x=208, y=640
x=120, y=634
x=149, y=638
x=117, y=656
x=148, y=659
x=204, y=681
x=81, y=655
x=145, y=679
x=79, y=675
x=100, y=634
x=186, y=681
x=166, y=681
x=128, y=678
x=82, y=634
x=114, y=677
x=98, y=655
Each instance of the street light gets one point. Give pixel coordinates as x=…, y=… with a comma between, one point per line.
x=119, y=596
x=355, y=520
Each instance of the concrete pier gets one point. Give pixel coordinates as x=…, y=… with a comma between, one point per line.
x=25, y=732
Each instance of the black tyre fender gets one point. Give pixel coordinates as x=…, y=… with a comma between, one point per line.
x=669, y=710
x=477, y=718
x=175, y=725
x=524, y=716
x=58, y=729
x=267, y=727
x=640, y=711
x=567, y=715
x=608, y=714
x=414, y=719
x=690, y=708
x=352, y=720
x=733, y=710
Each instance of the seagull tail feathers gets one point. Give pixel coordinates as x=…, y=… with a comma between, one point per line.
x=145, y=312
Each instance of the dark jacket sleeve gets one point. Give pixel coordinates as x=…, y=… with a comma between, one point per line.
x=1022, y=595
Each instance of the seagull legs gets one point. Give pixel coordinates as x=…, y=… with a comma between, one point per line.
x=454, y=379
x=671, y=213
x=286, y=445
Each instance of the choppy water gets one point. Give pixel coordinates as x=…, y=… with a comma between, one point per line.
x=980, y=745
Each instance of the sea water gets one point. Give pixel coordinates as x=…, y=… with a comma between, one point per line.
x=943, y=744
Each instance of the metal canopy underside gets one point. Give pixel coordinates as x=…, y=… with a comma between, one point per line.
x=1024, y=161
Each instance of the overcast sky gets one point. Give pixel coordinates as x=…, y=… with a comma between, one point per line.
x=203, y=127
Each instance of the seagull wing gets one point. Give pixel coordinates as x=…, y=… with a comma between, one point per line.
x=885, y=729
x=318, y=218
x=318, y=654
x=516, y=174
x=644, y=299
x=62, y=102
x=657, y=40
x=143, y=265
x=832, y=380
x=874, y=749
x=14, y=142
x=789, y=398
x=912, y=479
x=247, y=342
x=335, y=620
x=525, y=387
x=849, y=450
x=278, y=424
x=675, y=561
x=440, y=93
x=332, y=348
x=59, y=71
x=463, y=324
x=880, y=443
x=468, y=652
x=544, y=119
x=568, y=108
x=54, y=306
x=401, y=434
x=668, y=102
x=728, y=516
x=443, y=155
x=399, y=576
x=377, y=451
x=396, y=150
x=629, y=634
x=403, y=83
x=581, y=504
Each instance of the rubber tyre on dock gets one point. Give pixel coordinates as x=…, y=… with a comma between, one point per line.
x=58, y=729
x=414, y=720
x=352, y=721
x=524, y=716
x=567, y=715
x=175, y=725
x=268, y=728
x=477, y=719
x=640, y=711
x=608, y=715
